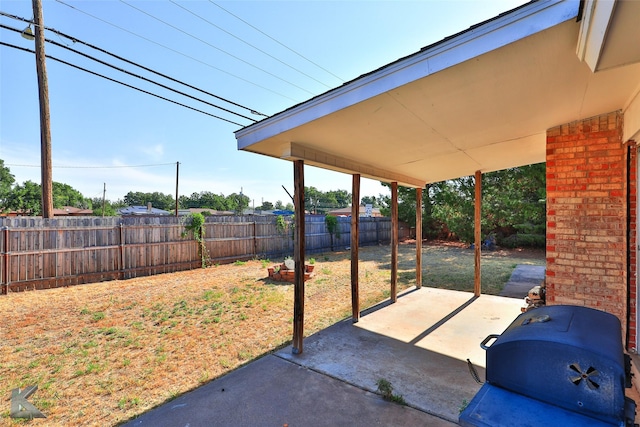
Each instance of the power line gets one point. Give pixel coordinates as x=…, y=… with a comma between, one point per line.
x=281, y=44
x=76, y=40
x=217, y=48
x=136, y=75
x=94, y=167
x=122, y=83
x=176, y=51
x=249, y=44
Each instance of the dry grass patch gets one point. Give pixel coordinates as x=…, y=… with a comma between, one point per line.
x=103, y=353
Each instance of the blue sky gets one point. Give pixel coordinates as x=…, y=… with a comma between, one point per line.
x=102, y=131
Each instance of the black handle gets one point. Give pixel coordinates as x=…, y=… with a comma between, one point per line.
x=484, y=342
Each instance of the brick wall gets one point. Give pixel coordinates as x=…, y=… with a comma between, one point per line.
x=587, y=215
x=633, y=240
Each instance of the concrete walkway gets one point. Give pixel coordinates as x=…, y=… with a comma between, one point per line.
x=523, y=278
x=420, y=345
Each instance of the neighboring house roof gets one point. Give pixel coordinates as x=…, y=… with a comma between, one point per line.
x=142, y=210
x=72, y=211
x=182, y=212
x=63, y=211
x=347, y=211
x=481, y=100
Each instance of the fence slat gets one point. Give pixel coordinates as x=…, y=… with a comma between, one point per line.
x=44, y=253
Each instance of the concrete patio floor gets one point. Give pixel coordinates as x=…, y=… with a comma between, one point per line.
x=420, y=345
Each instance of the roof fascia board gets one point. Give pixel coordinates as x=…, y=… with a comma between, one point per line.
x=593, y=30
x=314, y=157
x=506, y=29
x=631, y=128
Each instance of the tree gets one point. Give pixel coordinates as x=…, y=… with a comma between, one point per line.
x=406, y=204
x=213, y=201
x=332, y=227
x=157, y=200
x=515, y=199
x=266, y=206
x=96, y=205
x=370, y=200
x=237, y=202
x=65, y=195
x=453, y=206
x=317, y=201
x=340, y=198
x=6, y=182
x=312, y=198
x=512, y=201
x=25, y=198
x=204, y=199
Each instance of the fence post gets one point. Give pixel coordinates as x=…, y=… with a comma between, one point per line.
x=255, y=241
x=5, y=260
x=121, y=249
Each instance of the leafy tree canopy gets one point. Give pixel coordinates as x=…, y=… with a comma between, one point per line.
x=158, y=200
x=317, y=201
x=371, y=200
x=266, y=206
x=109, y=207
x=6, y=182
x=513, y=201
x=205, y=199
x=27, y=198
x=65, y=195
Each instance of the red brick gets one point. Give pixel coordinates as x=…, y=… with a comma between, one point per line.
x=586, y=215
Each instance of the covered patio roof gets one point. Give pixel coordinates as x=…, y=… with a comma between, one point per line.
x=480, y=100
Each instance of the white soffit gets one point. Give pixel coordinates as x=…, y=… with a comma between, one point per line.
x=481, y=100
x=521, y=23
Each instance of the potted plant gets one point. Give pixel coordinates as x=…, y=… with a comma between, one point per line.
x=309, y=267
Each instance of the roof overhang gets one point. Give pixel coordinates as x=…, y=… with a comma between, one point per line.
x=481, y=100
x=608, y=35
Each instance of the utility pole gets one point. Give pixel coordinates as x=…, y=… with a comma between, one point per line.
x=45, y=128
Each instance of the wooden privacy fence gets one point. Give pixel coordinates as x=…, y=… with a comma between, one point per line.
x=41, y=253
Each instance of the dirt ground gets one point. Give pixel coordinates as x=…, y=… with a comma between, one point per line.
x=102, y=353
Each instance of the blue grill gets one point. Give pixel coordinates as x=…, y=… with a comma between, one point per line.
x=559, y=361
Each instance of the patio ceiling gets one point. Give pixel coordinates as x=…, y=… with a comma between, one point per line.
x=481, y=100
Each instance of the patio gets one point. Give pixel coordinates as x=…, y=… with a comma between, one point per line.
x=419, y=344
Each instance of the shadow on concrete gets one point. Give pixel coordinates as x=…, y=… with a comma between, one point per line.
x=443, y=320
x=420, y=345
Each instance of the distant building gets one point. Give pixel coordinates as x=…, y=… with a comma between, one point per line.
x=212, y=212
x=142, y=210
x=72, y=211
x=63, y=211
x=375, y=212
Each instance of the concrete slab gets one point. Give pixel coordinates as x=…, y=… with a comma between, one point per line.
x=419, y=344
x=523, y=278
x=273, y=392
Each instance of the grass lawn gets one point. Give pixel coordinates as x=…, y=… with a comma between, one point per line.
x=103, y=353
